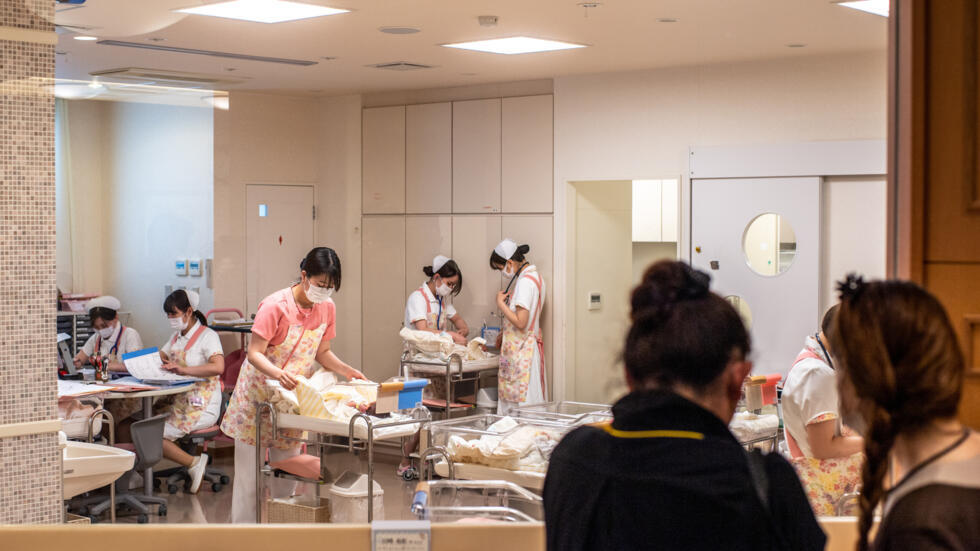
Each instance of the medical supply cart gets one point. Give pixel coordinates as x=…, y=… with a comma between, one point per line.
x=453, y=372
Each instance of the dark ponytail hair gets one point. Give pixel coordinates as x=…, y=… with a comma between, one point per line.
x=682, y=333
x=898, y=356
x=497, y=262
x=449, y=269
x=178, y=303
x=320, y=261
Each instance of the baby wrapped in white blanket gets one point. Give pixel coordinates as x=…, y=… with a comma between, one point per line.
x=527, y=448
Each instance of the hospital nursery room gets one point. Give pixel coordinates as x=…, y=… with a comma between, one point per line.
x=454, y=275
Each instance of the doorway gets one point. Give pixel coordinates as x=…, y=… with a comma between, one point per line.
x=279, y=233
x=616, y=228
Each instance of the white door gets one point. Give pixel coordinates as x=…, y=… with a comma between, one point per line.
x=279, y=233
x=760, y=241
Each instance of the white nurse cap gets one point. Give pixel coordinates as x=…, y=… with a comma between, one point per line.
x=193, y=298
x=506, y=249
x=106, y=301
x=438, y=262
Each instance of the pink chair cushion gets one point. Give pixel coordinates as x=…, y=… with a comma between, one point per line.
x=126, y=446
x=306, y=466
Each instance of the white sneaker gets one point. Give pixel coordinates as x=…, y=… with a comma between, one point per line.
x=196, y=472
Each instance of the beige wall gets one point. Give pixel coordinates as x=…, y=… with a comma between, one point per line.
x=277, y=139
x=602, y=263
x=645, y=254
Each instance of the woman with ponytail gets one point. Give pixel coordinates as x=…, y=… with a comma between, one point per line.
x=900, y=381
x=666, y=473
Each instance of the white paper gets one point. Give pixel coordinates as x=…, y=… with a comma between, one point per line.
x=149, y=367
x=79, y=388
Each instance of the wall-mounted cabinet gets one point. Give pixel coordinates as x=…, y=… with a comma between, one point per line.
x=429, y=158
x=383, y=160
x=383, y=294
x=473, y=239
x=476, y=156
x=655, y=207
x=527, y=154
x=426, y=237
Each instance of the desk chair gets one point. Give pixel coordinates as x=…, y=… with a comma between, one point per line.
x=148, y=445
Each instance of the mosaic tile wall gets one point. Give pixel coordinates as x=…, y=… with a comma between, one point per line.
x=30, y=478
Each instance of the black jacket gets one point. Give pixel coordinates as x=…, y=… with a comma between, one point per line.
x=623, y=489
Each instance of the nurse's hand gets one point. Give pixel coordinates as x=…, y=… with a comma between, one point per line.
x=355, y=374
x=286, y=380
x=77, y=362
x=500, y=340
x=458, y=338
x=174, y=368
x=502, y=298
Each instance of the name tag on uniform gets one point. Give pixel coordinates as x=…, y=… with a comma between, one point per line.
x=197, y=401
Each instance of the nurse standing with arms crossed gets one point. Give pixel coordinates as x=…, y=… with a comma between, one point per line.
x=521, y=375
x=291, y=334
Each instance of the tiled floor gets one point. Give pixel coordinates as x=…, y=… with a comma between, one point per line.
x=211, y=507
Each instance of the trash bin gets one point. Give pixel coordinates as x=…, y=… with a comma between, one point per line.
x=348, y=497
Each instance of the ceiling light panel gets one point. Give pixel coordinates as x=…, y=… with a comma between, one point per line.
x=263, y=11
x=877, y=7
x=515, y=45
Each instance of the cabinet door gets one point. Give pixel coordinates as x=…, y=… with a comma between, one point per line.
x=537, y=233
x=527, y=154
x=383, y=294
x=647, y=205
x=476, y=156
x=425, y=237
x=473, y=239
x=429, y=158
x=383, y=160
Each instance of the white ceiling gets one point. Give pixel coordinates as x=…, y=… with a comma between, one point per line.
x=622, y=34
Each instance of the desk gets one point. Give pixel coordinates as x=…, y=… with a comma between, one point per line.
x=147, y=396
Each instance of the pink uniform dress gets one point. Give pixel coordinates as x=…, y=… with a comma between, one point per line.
x=294, y=336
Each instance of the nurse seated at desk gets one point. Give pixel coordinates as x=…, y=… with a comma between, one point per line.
x=194, y=350
x=111, y=338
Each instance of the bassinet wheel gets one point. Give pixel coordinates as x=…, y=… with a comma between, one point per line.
x=143, y=519
x=410, y=475
x=172, y=489
x=225, y=480
x=216, y=487
x=162, y=511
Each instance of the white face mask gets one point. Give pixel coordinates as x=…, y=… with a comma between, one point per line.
x=318, y=294
x=444, y=289
x=106, y=332
x=507, y=271
x=177, y=324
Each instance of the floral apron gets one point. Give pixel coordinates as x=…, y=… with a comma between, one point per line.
x=295, y=355
x=825, y=481
x=187, y=408
x=517, y=354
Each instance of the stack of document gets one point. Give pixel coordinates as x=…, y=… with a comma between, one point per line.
x=147, y=366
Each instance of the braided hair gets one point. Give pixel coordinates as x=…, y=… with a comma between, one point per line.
x=900, y=365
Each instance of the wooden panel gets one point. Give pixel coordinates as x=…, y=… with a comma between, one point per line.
x=429, y=158
x=527, y=154
x=383, y=297
x=476, y=156
x=955, y=285
x=383, y=160
x=537, y=232
x=425, y=237
x=951, y=191
x=473, y=239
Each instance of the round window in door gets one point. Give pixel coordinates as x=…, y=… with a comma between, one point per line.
x=742, y=308
x=769, y=244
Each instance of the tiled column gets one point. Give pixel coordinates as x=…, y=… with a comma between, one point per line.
x=30, y=468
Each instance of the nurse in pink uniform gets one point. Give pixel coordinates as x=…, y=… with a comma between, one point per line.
x=290, y=338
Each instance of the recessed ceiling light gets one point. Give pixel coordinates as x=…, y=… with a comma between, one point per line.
x=399, y=30
x=157, y=39
x=666, y=20
x=263, y=11
x=514, y=45
x=796, y=45
x=877, y=7
x=328, y=57
x=85, y=38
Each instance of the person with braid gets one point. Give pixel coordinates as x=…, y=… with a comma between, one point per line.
x=900, y=380
x=666, y=473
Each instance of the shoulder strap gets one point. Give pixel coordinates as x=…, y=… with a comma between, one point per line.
x=425, y=299
x=537, y=309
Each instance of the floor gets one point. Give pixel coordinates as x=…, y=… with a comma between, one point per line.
x=208, y=507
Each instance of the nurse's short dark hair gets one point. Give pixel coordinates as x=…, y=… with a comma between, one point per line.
x=322, y=261
x=102, y=313
x=681, y=332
